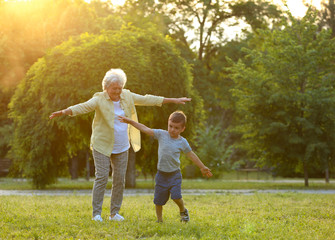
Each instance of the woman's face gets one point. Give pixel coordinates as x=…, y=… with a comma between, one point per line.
x=114, y=90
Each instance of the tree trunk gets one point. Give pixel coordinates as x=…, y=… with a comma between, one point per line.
x=88, y=170
x=131, y=170
x=306, y=174
x=74, y=167
x=332, y=16
x=327, y=175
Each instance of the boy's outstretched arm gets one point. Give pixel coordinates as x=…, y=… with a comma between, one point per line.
x=195, y=159
x=137, y=125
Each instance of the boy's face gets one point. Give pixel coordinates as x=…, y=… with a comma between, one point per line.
x=175, y=129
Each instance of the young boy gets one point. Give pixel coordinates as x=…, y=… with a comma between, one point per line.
x=168, y=178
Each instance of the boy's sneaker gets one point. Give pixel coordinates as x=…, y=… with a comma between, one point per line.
x=184, y=217
x=117, y=217
x=97, y=218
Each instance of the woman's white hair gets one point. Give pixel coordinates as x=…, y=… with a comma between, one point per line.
x=114, y=75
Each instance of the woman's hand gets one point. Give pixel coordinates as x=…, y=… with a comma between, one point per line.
x=56, y=114
x=67, y=111
x=181, y=100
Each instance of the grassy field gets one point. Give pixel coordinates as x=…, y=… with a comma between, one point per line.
x=258, y=216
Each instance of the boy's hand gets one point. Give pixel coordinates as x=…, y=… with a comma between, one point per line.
x=124, y=119
x=206, y=172
x=137, y=125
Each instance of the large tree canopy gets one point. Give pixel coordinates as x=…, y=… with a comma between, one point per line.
x=285, y=96
x=72, y=73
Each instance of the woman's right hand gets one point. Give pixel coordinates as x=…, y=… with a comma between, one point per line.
x=56, y=114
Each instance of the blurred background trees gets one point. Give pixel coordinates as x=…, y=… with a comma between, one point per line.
x=71, y=73
x=64, y=43
x=285, y=97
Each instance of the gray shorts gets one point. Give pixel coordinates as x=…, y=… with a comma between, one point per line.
x=166, y=184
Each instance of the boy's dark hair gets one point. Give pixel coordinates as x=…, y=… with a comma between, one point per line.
x=178, y=117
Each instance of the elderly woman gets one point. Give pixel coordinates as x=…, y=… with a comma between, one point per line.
x=111, y=138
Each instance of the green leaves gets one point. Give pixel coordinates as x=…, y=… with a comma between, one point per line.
x=71, y=73
x=285, y=95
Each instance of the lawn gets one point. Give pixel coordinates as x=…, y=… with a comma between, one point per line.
x=230, y=216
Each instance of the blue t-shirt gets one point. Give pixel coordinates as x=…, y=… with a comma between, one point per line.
x=169, y=150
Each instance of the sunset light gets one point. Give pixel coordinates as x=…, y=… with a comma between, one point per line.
x=297, y=8
x=114, y=2
x=94, y=98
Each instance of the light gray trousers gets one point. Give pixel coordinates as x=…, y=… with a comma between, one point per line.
x=102, y=165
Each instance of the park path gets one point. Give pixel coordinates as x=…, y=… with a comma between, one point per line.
x=142, y=192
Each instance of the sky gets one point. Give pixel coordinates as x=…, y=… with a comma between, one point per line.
x=297, y=7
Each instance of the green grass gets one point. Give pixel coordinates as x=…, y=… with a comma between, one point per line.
x=258, y=216
x=67, y=184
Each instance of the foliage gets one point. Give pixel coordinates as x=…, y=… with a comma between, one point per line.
x=327, y=16
x=198, y=28
x=143, y=14
x=264, y=13
x=258, y=216
x=5, y=123
x=29, y=28
x=212, y=150
x=285, y=98
x=72, y=73
x=206, y=19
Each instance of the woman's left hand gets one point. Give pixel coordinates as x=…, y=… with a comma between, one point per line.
x=181, y=100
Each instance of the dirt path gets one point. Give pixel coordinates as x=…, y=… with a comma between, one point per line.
x=134, y=192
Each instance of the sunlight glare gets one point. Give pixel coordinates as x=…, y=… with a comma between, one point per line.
x=297, y=8
x=114, y=2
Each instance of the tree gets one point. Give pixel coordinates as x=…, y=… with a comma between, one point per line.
x=199, y=26
x=206, y=19
x=28, y=30
x=70, y=73
x=327, y=15
x=285, y=97
x=5, y=123
x=199, y=30
x=212, y=150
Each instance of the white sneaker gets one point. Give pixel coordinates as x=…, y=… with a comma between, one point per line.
x=117, y=217
x=97, y=218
